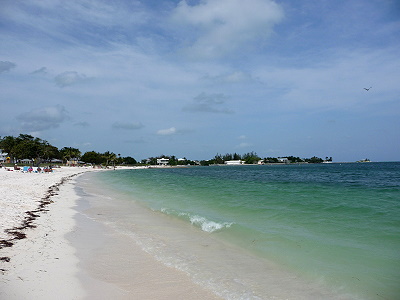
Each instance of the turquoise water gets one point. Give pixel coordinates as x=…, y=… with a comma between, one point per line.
x=336, y=224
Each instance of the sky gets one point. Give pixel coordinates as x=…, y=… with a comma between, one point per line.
x=193, y=78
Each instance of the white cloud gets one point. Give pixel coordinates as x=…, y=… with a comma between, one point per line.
x=223, y=26
x=127, y=126
x=168, y=131
x=208, y=103
x=43, y=118
x=6, y=66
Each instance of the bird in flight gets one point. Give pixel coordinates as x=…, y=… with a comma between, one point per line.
x=368, y=89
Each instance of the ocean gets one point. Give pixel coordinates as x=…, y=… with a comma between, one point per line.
x=306, y=231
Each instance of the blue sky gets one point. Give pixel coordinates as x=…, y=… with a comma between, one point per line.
x=195, y=78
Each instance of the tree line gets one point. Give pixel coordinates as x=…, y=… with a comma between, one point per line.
x=253, y=158
x=39, y=151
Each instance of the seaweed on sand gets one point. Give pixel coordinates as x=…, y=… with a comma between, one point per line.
x=17, y=233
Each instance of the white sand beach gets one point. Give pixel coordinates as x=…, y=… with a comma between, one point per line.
x=42, y=232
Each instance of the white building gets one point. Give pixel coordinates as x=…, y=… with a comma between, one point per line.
x=283, y=160
x=3, y=156
x=162, y=161
x=234, y=162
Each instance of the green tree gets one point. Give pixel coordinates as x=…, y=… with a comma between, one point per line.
x=236, y=156
x=251, y=158
x=29, y=147
x=67, y=153
x=294, y=159
x=7, y=143
x=227, y=157
x=314, y=160
x=92, y=157
x=48, y=151
x=129, y=160
x=110, y=157
x=218, y=159
x=173, y=161
x=206, y=162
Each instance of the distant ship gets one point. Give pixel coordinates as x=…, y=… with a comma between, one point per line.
x=363, y=160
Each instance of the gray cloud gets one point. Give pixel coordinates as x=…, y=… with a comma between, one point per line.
x=127, y=126
x=69, y=78
x=43, y=118
x=41, y=71
x=6, y=66
x=208, y=103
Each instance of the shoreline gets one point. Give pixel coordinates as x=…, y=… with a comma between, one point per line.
x=214, y=263
x=53, y=255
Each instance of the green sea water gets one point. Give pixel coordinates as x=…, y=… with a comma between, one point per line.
x=334, y=224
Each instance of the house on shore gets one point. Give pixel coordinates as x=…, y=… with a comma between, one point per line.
x=3, y=156
x=162, y=161
x=234, y=162
x=284, y=160
x=72, y=162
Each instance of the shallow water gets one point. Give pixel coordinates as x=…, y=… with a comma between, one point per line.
x=268, y=232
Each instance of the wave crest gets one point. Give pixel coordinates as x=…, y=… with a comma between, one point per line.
x=199, y=221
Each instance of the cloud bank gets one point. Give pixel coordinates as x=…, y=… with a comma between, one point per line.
x=220, y=27
x=44, y=118
x=208, y=103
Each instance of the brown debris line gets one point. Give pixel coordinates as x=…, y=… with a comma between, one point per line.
x=16, y=232
x=18, y=235
x=5, y=243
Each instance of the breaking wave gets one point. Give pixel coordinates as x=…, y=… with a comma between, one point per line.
x=199, y=221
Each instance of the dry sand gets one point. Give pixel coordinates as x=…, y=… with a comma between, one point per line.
x=55, y=258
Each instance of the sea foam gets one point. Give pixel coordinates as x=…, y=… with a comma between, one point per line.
x=199, y=221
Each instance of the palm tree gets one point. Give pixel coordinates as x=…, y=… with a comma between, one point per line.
x=68, y=153
x=110, y=157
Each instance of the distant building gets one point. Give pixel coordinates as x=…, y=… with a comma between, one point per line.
x=72, y=161
x=234, y=162
x=162, y=161
x=3, y=156
x=283, y=160
x=26, y=161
